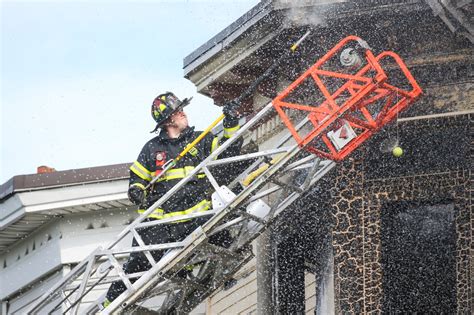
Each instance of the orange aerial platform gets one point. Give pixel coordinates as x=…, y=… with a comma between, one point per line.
x=350, y=98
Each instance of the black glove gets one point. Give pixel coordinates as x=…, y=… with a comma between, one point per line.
x=231, y=110
x=136, y=195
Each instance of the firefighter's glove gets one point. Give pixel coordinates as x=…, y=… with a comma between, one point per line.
x=136, y=195
x=231, y=110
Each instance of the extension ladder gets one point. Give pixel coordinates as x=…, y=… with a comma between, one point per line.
x=329, y=111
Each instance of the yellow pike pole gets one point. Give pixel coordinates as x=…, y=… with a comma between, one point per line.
x=236, y=102
x=202, y=135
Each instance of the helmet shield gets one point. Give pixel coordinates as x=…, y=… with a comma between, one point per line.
x=165, y=105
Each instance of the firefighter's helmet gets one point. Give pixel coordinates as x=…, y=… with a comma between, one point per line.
x=165, y=105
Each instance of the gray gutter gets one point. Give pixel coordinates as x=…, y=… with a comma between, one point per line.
x=63, y=178
x=236, y=28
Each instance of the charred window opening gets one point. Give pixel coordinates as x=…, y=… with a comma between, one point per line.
x=418, y=258
x=289, y=278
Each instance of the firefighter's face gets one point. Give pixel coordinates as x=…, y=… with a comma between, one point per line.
x=179, y=120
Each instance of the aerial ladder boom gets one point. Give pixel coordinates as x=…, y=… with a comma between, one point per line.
x=328, y=112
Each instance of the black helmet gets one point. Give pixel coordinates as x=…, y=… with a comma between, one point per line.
x=165, y=105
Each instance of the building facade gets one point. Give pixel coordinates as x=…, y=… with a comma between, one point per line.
x=379, y=233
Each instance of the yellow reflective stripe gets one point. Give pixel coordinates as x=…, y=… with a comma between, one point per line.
x=139, y=185
x=159, y=214
x=215, y=144
x=177, y=173
x=141, y=167
x=155, y=214
x=200, y=207
x=229, y=132
x=162, y=107
x=141, y=171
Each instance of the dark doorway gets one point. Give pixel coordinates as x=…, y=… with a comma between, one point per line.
x=418, y=258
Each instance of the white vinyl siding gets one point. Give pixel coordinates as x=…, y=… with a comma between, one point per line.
x=240, y=298
x=310, y=292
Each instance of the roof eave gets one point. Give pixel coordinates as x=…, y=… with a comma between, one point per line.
x=66, y=178
x=23, y=212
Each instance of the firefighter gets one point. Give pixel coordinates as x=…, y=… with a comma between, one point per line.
x=175, y=133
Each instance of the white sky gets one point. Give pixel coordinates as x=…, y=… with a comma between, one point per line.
x=78, y=77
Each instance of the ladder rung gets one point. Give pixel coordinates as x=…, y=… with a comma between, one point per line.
x=171, y=220
x=142, y=248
